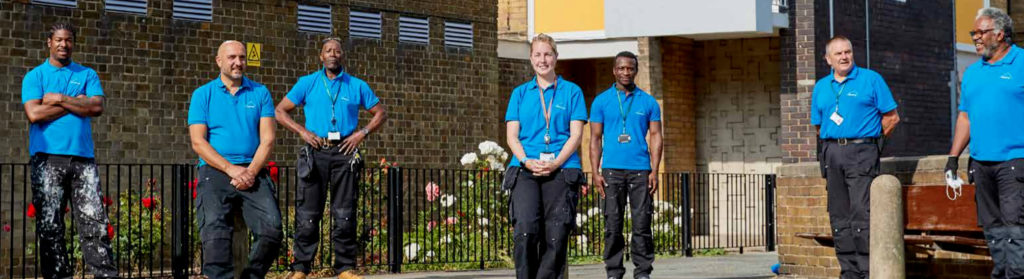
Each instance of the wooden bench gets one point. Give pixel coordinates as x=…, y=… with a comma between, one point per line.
x=932, y=221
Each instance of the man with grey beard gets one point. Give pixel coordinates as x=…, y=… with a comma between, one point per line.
x=992, y=122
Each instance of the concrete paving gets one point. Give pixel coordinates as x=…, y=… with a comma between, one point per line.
x=740, y=266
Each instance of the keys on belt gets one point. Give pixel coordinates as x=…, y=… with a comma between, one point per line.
x=846, y=141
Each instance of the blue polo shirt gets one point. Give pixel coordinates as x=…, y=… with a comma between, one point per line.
x=640, y=108
x=863, y=98
x=314, y=92
x=232, y=121
x=992, y=95
x=70, y=134
x=524, y=106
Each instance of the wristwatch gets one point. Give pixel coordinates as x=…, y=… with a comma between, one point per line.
x=366, y=132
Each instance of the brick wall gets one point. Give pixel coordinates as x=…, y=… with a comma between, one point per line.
x=678, y=69
x=512, y=20
x=149, y=65
x=738, y=106
x=798, y=76
x=801, y=208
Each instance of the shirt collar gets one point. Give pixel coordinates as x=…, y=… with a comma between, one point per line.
x=852, y=75
x=1011, y=55
x=340, y=76
x=246, y=83
x=533, y=82
x=636, y=90
x=53, y=68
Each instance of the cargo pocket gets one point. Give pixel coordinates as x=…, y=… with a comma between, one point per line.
x=823, y=158
x=844, y=241
x=509, y=181
x=573, y=179
x=304, y=165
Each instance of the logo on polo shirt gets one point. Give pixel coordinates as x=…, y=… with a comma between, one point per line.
x=560, y=107
x=852, y=94
x=76, y=83
x=250, y=105
x=639, y=112
x=1006, y=75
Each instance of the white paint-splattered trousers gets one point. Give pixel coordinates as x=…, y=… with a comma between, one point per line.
x=53, y=176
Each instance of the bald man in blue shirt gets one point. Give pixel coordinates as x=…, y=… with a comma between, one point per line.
x=231, y=126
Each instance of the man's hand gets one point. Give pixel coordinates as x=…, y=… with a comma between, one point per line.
x=53, y=99
x=652, y=183
x=599, y=184
x=241, y=177
x=352, y=142
x=952, y=164
x=311, y=139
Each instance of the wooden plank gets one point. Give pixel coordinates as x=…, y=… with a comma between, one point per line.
x=927, y=208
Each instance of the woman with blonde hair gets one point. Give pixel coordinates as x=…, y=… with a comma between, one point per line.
x=544, y=124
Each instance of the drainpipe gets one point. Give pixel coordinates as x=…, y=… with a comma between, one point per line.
x=867, y=33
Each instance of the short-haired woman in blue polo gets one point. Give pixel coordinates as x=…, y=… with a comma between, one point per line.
x=544, y=124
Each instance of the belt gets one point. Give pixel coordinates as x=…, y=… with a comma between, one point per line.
x=846, y=141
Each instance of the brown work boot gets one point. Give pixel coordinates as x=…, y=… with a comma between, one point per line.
x=349, y=274
x=296, y=275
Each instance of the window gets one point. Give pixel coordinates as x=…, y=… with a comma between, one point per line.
x=364, y=24
x=200, y=10
x=315, y=18
x=458, y=34
x=58, y=3
x=126, y=6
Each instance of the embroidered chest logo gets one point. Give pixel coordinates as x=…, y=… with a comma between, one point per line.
x=560, y=106
x=250, y=105
x=1006, y=76
x=852, y=94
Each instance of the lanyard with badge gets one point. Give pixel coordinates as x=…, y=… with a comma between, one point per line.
x=333, y=133
x=547, y=155
x=624, y=137
x=836, y=118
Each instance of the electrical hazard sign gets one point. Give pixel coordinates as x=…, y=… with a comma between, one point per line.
x=253, y=53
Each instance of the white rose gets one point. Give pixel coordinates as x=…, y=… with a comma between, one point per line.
x=411, y=249
x=580, y=219
x=468, y=159
x=594, y=211
x=490, y=148
x=495, y=164
x=484, y=221
x=479, y=211
x=446, y=239
x=447, y=200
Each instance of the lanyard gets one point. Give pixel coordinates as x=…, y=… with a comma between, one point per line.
x=625, y=113
x=841, y=88
x=333, y=98
x=547, y=110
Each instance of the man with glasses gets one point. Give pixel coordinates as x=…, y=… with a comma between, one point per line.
x=629, y=169
x=851, y=108
x=330, y=159
x=990, y=121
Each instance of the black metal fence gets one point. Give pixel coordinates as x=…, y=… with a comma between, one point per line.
x=412, y=218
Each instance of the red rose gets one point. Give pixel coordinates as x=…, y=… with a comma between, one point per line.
x=66, y=209
x=110, y=231
x=147, y=202
x=461, y=214
x=7, y=227
x=31, y=211
x=107, y=201
x=274, y=172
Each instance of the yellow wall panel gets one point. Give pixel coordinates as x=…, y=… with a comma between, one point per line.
x=966, y=10
x=551, y=16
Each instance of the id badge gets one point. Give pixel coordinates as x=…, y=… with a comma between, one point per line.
x=624, y=138
x=547, y=156
x=836, y=118
x=333, y=135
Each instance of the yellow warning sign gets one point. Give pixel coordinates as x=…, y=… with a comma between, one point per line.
x=253, y=52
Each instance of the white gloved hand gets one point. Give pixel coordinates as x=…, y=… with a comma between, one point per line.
x=953, y=182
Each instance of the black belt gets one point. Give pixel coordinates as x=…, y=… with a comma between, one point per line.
x=852, y=141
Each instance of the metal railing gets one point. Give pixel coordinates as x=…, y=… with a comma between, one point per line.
x=407, y=217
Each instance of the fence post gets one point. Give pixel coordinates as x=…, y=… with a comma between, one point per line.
x=395, y=219
x=687, y=215
x=180, y=233
x=769, y=212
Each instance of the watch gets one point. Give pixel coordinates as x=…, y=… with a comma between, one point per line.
x=366, y=132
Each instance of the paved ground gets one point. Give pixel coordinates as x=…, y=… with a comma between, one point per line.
x=740, y=266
